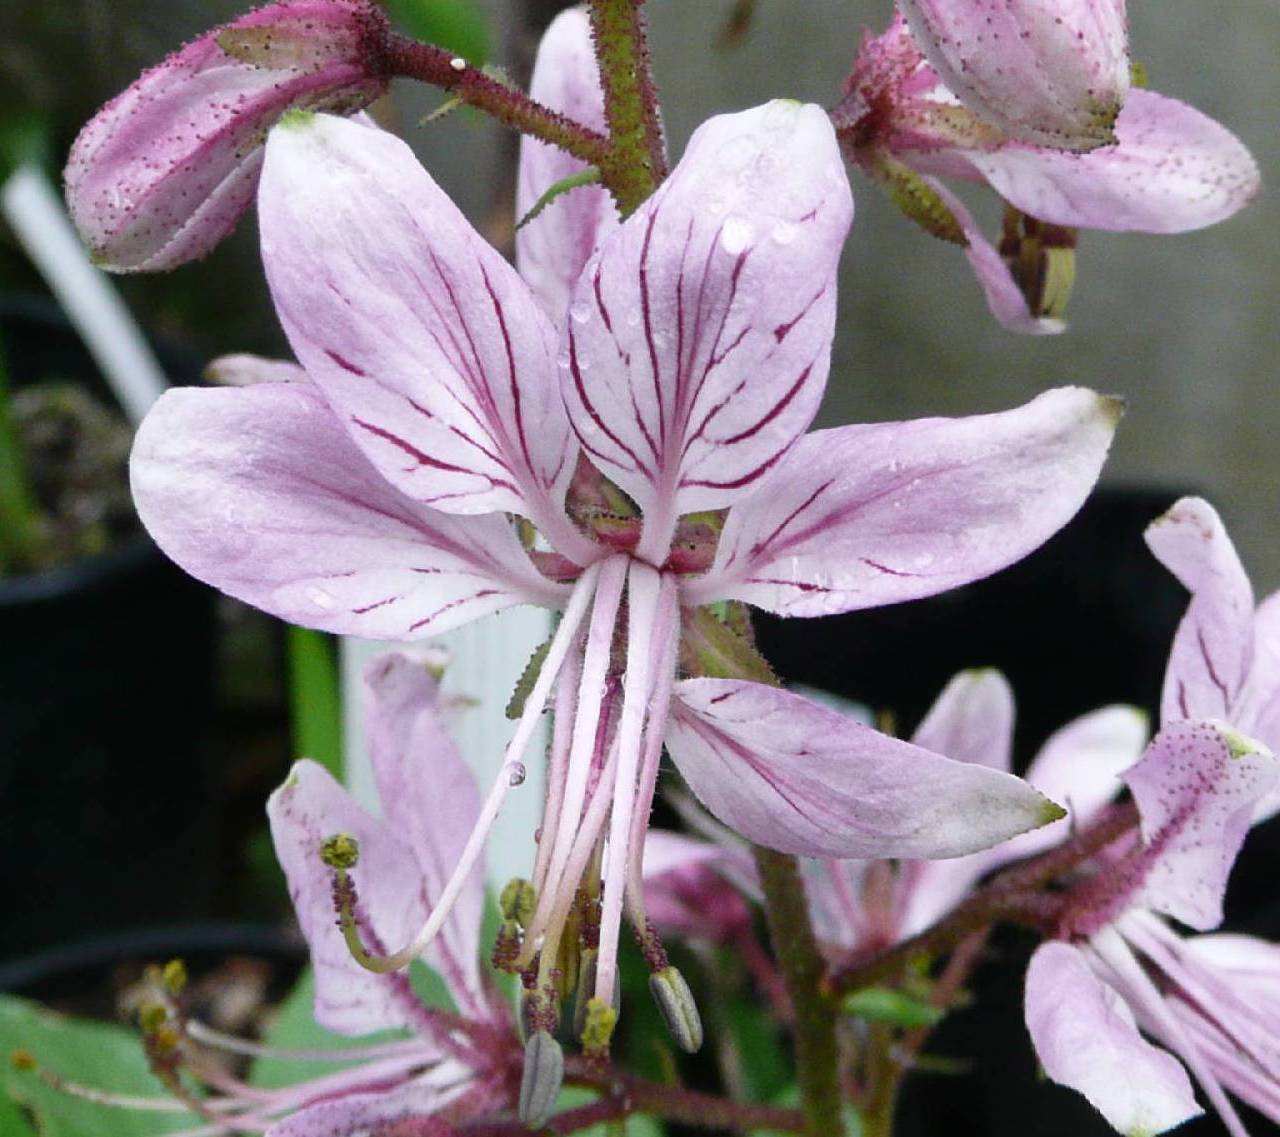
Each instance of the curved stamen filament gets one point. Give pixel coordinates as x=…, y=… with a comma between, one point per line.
x=510, y=773
x=558, y=767
x=648, y=594
x=208, y=1036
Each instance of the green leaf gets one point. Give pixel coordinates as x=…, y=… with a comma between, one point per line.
x=457, y=25
x=12, y=1119
x=93, y=1054
x=897, y=1008
x=315, y=701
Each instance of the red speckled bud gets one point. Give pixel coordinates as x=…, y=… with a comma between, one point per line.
x=162, y=173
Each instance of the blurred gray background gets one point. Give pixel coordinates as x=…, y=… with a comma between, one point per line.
x=1183, y=327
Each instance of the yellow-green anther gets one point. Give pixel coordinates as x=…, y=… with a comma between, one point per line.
x=586, y=984
x=542, y=1078
x=152, y=1016
x=679, y=1010
x=341, y=851
x=518, y=901
x=174, y=976
x=1058, y=276
x=597, y=1030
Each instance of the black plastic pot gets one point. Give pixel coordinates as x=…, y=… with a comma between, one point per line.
x=106, y=680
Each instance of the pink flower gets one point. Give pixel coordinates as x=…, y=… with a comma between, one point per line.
x=453, y=452
x=162, y=173
x=1169, y=169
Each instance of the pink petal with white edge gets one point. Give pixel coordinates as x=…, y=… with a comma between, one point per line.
x=1085, y=1037
x=699, y=340
x=249, y=370
x=552, y=249
x=860, y=516
x=306, y=810
x=1211, y=651
x=972, y=720
x=790, y=774
x=429, y=347
x=429, y=797
x=1054, y=74
x=1004, y=297
x=1196, y=789
x=365, y=1114
x=1171, y=170
x=261, y=493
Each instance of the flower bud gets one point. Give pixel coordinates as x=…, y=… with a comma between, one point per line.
x=679, y=1011
x=162, y=173
x=543, y=1075
x=1051, y=73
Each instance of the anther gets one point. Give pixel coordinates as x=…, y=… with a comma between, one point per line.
x=518, y=901
x=597, y=1031
x=679, y=1010
x=340, y=852
x=542, y=1078
x=174, y=977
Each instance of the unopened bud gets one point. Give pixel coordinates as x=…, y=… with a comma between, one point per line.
x=542, y=1078
x=341, y=851
x=162, y=173
x=518, y=901
x=679, y=1010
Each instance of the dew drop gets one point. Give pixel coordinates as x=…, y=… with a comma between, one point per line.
x=580, y=311
x=320, y=598
x=633, y=317
x=517, y=773
x=735, y=235
x=784, y=232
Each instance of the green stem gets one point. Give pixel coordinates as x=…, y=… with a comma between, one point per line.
x=19, y=513
x=636, y=163
x=803, y=969
x=314, y=699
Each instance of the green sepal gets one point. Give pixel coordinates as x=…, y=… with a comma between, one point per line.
x=896, y=1008
x=712, y=648
x=588, y=177
x=916, y=198
x=528, y=677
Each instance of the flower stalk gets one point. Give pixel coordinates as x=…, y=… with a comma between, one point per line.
x=637, y=164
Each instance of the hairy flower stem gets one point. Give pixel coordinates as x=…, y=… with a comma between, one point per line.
x=430, y=64
x=803, y=969
x=636, y=163
x=1013, y=897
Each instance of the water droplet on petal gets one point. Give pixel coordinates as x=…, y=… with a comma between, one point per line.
x=580, y=311
x=320, y=598
x=735, y=236
x=633, y=317
x=517, y=773
x=784, y=232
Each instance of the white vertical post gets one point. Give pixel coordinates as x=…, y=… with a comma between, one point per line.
x=487, y=658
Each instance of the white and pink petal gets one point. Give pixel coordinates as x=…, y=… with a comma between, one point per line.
x=259, y=492
x=699, y=339
x=428, y=796
x=1085, y=1036
x=1196, y=789
x=865, y=515
x=433, y=353
x=795, y=776
x=972, y=720
x=1172, y=169
x=552, y=248
x=304, y=812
